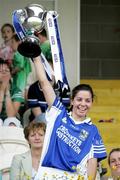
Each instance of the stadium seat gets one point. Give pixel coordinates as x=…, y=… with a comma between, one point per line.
x=12, y=142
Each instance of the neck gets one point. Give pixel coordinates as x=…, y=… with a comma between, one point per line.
x=36, y=153
x=8, y=42
x=77, y=118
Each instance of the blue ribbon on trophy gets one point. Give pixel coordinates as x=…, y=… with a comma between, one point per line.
x=30, y=20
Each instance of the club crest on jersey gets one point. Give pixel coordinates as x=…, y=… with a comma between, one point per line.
x=83, y=135
x=64, y=120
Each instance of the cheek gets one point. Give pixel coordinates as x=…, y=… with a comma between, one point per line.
x=89, y=105
x=30, y=140
x=42, y=139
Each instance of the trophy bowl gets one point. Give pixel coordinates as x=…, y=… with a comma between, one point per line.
x=32, y=19
x=29, y=47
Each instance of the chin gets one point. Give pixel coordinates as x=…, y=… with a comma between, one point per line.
x=82, y=115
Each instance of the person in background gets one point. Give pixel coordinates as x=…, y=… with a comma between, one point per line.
x=36, y=99
x=10, y=98
x=25, y=166
x=6, y=52
x=114, y=164
x=72, y=143
x=21, y=66
x=45, y=45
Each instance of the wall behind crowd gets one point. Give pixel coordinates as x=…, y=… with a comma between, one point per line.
x=100, y=39
x=69, y=23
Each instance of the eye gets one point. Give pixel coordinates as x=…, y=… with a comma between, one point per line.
x=88, y=100
x=32, y=135
x=113, y=161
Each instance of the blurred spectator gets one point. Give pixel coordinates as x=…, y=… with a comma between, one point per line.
x=45, y=45
x=37, y=102
x=25, y=166
x=6, y=52
x=10, y=97
x=21, y=66
x=114, y=164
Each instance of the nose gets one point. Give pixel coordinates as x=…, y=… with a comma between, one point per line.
x=83, y=103
x=37, y=136
x=117, y=162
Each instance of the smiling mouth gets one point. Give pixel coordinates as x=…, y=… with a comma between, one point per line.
x=82, y=110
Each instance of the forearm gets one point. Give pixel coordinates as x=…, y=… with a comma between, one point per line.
x=45, y=84
x=10, y=110
x=92, y=169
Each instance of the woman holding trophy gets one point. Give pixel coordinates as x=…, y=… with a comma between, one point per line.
x=72, y=145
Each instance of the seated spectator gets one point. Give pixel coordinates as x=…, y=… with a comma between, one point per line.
x=10, y=97
x=114, y=164
x=25, y=166
x=6, y=52
x=37, y=102
x=12, y=142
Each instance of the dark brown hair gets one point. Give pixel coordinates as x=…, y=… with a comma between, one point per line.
x=81, y=87
x=7, y=25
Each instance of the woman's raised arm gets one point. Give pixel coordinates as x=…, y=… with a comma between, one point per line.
x=44, y=83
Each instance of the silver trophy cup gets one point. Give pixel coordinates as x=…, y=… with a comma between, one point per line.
x=32, y=19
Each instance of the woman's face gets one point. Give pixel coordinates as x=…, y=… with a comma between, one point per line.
x=7, y=33
x=36, y=138
x=115, y=163
x=81, y=103
x=4, y=72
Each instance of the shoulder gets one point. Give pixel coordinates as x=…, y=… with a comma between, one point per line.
x=18, y=157
x=95, y=128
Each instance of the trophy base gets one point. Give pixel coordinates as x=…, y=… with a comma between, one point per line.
x=29, y=48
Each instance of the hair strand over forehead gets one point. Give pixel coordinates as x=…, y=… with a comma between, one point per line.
x=80, y=87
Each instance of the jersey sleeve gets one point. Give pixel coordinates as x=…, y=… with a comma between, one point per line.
x=99, y=150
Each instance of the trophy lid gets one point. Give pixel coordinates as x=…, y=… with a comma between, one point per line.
x=35, y=17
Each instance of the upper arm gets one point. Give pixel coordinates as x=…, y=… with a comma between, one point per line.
x=48, y=92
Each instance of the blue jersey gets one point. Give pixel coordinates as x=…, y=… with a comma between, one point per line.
x=69, y=145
